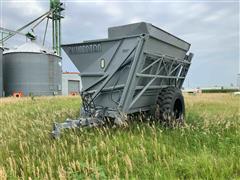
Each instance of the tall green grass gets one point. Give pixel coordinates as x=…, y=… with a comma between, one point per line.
x=207, y=147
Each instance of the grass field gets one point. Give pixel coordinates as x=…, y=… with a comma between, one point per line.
x=207, y=147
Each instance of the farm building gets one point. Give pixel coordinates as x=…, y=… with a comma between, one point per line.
x=192, y=90
x=71, y=83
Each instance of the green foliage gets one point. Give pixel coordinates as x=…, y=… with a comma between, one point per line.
x=219, y=90
x=207, y=147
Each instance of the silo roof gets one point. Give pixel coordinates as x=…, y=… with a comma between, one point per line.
x=31, y=46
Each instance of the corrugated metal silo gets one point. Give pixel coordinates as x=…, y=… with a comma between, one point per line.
x=1, y=72
x=32, y=70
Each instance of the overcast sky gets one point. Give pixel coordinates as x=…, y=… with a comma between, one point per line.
x=212, y=27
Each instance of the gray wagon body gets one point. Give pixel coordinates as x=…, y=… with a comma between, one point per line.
x=125, y=73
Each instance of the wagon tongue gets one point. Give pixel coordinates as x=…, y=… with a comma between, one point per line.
x=70, y=124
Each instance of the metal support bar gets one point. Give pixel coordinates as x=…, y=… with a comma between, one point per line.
x=167, y=58
x=45, y=32
x=131, y=73
x=43, y=18
x=98, y=81
x=112, y=88
x=165, y=67
x=159, y=76
x=151, y=87
x=142, y=91
x=175, y=69
x=150, y=65
x=11, y=31
x=22, y=28
x=121, y=86
x=170, y=68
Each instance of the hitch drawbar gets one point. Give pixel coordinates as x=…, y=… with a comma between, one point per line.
x=70, y=124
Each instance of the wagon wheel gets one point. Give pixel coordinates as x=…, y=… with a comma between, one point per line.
x=170, y=108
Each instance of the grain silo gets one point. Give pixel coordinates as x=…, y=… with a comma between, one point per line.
x=1, y=72
x=32, y=70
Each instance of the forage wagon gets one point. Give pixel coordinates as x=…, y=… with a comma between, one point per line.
x=139, y=67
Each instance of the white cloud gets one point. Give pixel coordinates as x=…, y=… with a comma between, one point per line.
x=135, y=20
x=112, y=9
x=188, y=10
x=216, y=16
x=29, y=8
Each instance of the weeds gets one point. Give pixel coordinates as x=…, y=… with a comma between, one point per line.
x=206, y=147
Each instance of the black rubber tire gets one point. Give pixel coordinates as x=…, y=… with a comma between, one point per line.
x=170, y=105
